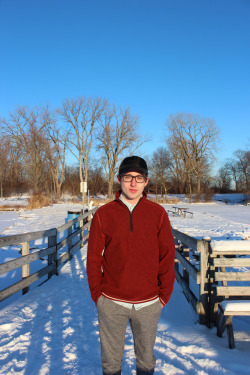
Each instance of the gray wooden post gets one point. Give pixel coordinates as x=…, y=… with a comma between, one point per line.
x=69, y=242
x=176, y=265
x=202, y=247
x=81, y=225
x=52, y=258
x=25, y=267
x=185, y=272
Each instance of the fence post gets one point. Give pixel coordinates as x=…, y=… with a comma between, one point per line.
x=213, y=300
x=176, y=264
x=185, y=272
x=25, y=267
x=203, y=249
x=69, y=242
x=52, y=258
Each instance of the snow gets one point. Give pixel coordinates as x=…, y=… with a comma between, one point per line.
x=230, y=245
x=53, y=329
x=236, y=306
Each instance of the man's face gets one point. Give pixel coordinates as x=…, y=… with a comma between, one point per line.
x=132, y=190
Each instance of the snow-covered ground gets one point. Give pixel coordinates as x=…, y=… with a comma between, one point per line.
x=54, y=330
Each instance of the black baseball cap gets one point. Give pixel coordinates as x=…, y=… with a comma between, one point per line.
x=133, y=164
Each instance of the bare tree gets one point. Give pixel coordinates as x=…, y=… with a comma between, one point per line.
x=160, y=165
x=4, y=162
x=82, y=116
x=56, y=150
x=243, y=163
x=27, y=135
x=224, y=179
x=118, y=134
x=233, y=170
x=97, y=182
x=193, y=138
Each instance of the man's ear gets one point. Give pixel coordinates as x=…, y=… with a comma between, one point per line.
x=119, y=179
x=146, y=182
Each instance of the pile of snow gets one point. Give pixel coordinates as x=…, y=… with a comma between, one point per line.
x=230, y=245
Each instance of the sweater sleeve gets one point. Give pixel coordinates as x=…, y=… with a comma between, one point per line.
x=96, y=244
x=166, y=261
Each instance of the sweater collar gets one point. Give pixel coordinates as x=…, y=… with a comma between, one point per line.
x=118, y=193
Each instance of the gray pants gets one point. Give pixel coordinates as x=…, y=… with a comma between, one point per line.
x=113, y=320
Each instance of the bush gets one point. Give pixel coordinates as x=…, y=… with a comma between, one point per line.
x=37, y=201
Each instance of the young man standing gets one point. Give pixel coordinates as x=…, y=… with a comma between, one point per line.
x=130, y=267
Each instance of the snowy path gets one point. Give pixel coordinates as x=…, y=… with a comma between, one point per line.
x=53, y=330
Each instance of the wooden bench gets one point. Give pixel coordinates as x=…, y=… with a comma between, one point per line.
x=228, y=309
x=232, y=290
x=187, y=212
x=172, y=212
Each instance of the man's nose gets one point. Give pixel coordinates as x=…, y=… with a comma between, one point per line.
x=133, y=182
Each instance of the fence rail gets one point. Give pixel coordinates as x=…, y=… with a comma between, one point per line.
x=67, y=246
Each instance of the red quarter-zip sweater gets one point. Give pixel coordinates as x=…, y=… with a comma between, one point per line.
x=131, y=255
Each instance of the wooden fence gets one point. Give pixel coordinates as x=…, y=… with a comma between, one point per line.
x=57, y=251
x=196, y=270
x=195, y=263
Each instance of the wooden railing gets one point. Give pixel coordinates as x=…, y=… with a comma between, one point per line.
x=57, y=251
x=197, y=293
x=196, y=270
x=195, y=263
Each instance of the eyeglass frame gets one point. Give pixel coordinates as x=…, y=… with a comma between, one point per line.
x=134, y=177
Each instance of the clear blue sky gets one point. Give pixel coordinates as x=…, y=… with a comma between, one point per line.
x=158, y=57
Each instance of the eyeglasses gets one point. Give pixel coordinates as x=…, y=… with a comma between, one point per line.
x=129, y=178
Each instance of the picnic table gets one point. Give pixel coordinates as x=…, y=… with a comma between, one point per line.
x=182, y=211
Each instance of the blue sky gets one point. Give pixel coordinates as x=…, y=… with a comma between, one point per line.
x=158, y=57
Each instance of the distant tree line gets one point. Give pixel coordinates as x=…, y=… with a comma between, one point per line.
x=37, y=146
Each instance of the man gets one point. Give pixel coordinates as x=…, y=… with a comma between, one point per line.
x=130, y=267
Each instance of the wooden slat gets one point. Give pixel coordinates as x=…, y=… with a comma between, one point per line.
x=232, y=276
x=237, y=312
x=25, y=282
x=228, y=252
x=15, y=263
x=25, y=237
x=233, y=290
x=231, y=262
x=185, y=239
x=188, y=266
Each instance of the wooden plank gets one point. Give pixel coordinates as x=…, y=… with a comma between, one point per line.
x=237, y=313
x=185, y=239
x=26, y=266
x=233, y=291
x=232, y=276
x=52, y=258
x=204, y=290
x=25, y=252
x=63, y=258
x=25, y=237
x=228, y=252
x=188, y=266
x=231, y=262
x=15, y=263
x=188, y=293
x=5, y=293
